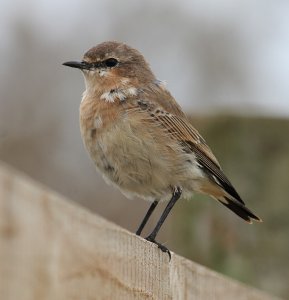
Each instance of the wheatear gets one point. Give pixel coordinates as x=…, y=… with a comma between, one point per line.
x=140, y=139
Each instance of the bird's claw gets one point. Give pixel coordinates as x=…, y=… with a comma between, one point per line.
x=160, y=246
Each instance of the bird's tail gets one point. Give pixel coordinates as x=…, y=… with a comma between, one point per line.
x=239, y=209
x=225, y=193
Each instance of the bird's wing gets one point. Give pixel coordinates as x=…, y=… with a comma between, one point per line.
x=178, y=128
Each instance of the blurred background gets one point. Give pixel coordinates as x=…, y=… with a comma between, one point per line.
x=227, y=64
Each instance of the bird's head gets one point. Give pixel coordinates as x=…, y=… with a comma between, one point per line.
x=113, y=64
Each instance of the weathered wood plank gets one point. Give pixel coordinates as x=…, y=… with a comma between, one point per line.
x=53, y=249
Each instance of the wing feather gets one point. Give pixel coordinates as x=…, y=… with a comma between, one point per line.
x=179, y=128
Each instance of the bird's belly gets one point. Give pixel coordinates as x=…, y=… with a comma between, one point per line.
x=139, y=161
x=130, y=163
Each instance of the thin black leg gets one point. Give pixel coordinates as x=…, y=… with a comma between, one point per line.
x=176, y=195
x=147, y=216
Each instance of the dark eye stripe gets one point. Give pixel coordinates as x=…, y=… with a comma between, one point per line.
x=108, y=63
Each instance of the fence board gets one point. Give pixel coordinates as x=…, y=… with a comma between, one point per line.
x=53, y=249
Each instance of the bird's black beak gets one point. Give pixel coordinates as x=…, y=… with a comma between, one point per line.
x=77, y=64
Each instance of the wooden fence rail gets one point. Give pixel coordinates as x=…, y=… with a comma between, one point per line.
x=51, y=248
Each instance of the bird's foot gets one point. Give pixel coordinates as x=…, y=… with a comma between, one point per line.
x=160, y=246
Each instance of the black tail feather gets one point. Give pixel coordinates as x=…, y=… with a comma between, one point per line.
x=239, y=209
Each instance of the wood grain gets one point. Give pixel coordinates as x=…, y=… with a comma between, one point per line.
x=53, y=249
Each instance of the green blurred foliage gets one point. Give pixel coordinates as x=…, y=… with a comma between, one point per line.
x=254, y=155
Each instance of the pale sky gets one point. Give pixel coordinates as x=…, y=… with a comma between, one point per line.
x=262, y=28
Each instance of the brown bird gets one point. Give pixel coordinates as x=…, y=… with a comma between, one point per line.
x=140, y=139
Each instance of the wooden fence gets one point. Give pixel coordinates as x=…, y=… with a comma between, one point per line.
x=53, y=249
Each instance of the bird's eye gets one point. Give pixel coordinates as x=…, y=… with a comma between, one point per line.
x=111, y=62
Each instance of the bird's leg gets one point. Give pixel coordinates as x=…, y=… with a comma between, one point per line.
x=147, y=216
x=176, y=195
